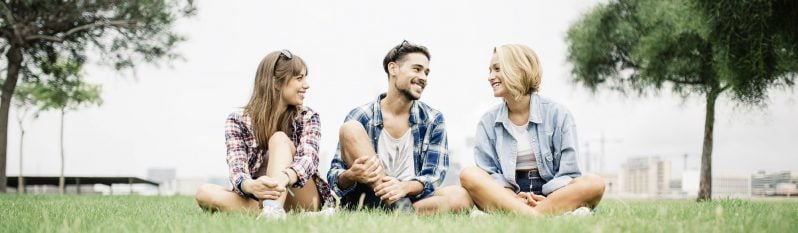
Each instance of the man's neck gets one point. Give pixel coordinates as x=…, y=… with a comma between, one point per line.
x=395, y=103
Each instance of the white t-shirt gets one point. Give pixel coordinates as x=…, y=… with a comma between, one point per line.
x=526, y=156
x=396, y=155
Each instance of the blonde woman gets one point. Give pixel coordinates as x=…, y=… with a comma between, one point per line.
x=526, y=147
x=272, y=147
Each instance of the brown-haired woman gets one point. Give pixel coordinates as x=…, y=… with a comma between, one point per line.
x=272, y=147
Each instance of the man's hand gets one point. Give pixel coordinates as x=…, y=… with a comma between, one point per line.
x=264, y=188
x=391, y=190
x=365, y=170
x=530, y=199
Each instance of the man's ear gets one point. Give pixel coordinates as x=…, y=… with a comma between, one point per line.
x=393, y=69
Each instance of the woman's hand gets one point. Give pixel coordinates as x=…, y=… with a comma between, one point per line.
x=264, y=188
x=530, y=198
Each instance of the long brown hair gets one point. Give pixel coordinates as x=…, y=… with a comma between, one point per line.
x=274, y=71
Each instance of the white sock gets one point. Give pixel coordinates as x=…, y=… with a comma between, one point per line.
x=272, y=203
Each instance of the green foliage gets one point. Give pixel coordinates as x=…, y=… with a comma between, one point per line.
x=646, y=45
x=24, y=96
x=66, y=91
x=44, y=213
x=757, y=44
x=639, y=46
x=121, y=32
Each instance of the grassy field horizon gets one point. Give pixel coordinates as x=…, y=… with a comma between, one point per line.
x=71, y=213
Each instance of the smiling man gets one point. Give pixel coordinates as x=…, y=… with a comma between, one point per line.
x=392, y=152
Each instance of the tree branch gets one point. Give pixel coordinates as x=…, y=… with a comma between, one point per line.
x=7, y=13
x=60, y=36
x=722, y=89
x=684, y=82
x=11, y=21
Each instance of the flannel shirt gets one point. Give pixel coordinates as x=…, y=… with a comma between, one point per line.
x=245, y=156
x=430, y=146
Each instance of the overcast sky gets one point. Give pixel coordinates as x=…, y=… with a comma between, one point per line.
x=172, y=116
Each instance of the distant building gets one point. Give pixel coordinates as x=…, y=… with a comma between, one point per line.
x=765, y=184
x=645, y=176
x=164, y=176
x=724, y=185
x=731, y=185
x=690, y=182
x=611, y=186
x=188, y=185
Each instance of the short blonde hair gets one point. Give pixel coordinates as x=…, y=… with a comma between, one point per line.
x=520, y=67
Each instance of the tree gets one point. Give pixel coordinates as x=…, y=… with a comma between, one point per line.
x=690, y=47
x=66, y=92
x=34, y=35
x=24, y=101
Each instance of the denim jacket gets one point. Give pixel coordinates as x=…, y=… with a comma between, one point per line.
x=553, y=138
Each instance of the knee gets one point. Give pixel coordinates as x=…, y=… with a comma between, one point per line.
x=349, y=129
x=204, y=194
x=594, y=183
x=469, y=176
x=460, y=200
x=279, y=137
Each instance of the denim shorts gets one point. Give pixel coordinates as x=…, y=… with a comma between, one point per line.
x=530, y=181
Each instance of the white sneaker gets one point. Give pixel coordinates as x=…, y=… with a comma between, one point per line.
x=476, y=213
x=272, y=213
x=579, y=212
x=326, y=212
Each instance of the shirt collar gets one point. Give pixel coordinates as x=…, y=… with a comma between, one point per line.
x=534, y=111
x=377, y=111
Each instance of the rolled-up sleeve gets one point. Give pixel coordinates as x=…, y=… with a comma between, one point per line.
x=436, y=160
x=237, y=159
x=306, y=161
x=485, y=156
x=565, y=145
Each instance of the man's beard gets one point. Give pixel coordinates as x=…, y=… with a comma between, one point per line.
x=408, y=94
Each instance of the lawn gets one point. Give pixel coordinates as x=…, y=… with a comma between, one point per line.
x=42, y=213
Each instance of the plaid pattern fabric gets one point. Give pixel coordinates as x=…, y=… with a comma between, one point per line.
x=430, y=146
x=245, y=156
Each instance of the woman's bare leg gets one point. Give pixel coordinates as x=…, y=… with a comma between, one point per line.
x=306, y=198
x=489, y=195
x=452, y=198
x=281, y=154
x=213, y=198
x=585, y=190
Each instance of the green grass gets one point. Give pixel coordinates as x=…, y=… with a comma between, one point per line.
x=42, y=213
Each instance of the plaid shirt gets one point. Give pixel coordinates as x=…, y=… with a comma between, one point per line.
x=430, y=153
x=245, y=156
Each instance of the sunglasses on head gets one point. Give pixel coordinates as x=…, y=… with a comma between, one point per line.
x=283, y=53
x=404, y=42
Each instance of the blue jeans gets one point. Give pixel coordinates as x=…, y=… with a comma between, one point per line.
x=530, y=181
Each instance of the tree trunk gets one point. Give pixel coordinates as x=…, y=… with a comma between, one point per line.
x=14, y=56
x=705, y=186
x=61, y=180
x=20, y=180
